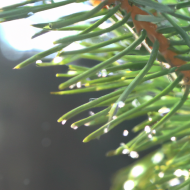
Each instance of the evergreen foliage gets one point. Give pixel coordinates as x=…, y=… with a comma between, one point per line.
x=145, y=62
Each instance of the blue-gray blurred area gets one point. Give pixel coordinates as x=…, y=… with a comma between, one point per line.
x=38, y=153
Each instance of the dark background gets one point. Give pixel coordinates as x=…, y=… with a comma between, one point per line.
x=36, y=152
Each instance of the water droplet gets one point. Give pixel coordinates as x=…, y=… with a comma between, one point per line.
x=173, y=138
x=163, y=111
x=120, y=61
x=91, y=113
x=121, y=104
x=137, y=170
x=153, y=131
x=57, y=59
x=147, y=129
x=72, y=72
x=79, y=84
x=136, y=103
x=134, y=154
x=125, y=151
x=149, y=136
x=30, y=13
x=125, y=133
x=87, y=124
x=167, y=66
x=64, y=121
x=161, y=174
x=150, y=119
x=114, y=117
x=178, y=173
x=106, y=130
x=129, y=185
x=46, y=142
x=157, y=157
x=72, y=86
x=74, y=127
x=39, y=61
x=104, y=73
x=174, y=182
x=26, y=181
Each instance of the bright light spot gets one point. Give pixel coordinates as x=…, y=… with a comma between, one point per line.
x=163, y=110
x=150, y=119
x=106, y=130
x=147, y=129
x=166, y=65
x=173, y=138
x=125, y=151
x=57, y=59
x=161, y=174
x=174, y=182
x=46, y=142
x=153, y=131
x=104, y=73
x=64, y=121
x=72, y=72
x=185, y=173
x=114, y=117
x=121, y=104
x=135, y=103
x=125, y=133
x=178, y=173
x=137, y=170
x=79, y=84
x=149, y=136
x=72, y=86
x=87, y=124
x=129, y=185
x=134, y=154
x=74, y=127
x=122, y=144
x=157, y=158
x=39, y=61
x=91, y=113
